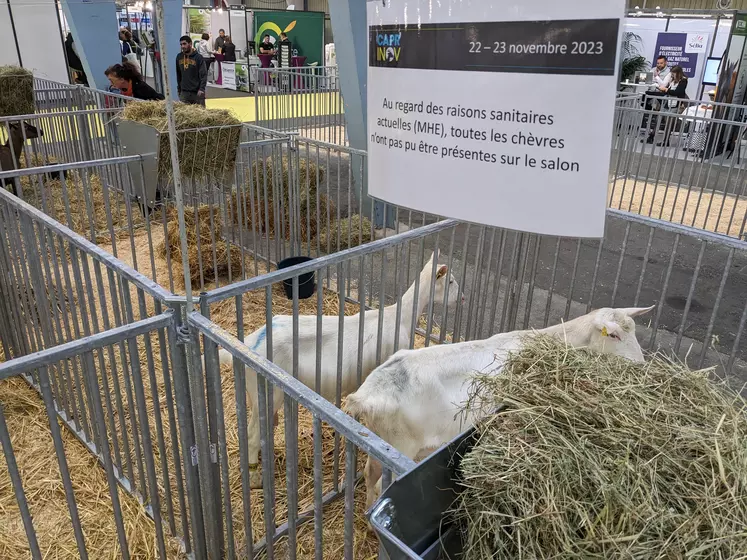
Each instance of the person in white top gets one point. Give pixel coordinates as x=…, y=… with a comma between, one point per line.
x=205, y=50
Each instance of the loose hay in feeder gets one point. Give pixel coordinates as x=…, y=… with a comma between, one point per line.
x=599, y=457
x=16, y=91
x=207, y=139
x=269, y=172
x=353, y=231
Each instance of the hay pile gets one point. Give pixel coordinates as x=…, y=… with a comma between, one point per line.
x=272, y=209
x=210, y=257
x=354, y=230
x=208, y=153
x=16, y=91
x=599, y=457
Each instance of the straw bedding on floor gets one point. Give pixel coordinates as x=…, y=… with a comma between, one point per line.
x=61, y=543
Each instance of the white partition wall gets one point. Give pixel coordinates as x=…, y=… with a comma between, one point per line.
x=8, y=52
x=37, y=28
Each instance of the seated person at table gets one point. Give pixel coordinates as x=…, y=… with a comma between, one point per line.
x=266, y=47
x=662, y=79
x=676, y=92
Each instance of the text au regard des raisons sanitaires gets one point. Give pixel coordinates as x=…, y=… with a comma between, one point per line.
x=429, y=128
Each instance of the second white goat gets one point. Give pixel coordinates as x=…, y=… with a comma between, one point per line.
x=282, y=347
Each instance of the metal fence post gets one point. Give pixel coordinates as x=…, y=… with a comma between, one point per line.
x=212, y=369
x=178, y=341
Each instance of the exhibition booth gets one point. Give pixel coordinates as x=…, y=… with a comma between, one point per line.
x=247, y=28
x=695, y=40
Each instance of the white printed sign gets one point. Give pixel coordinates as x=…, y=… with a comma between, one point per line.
x=499, y=117
x=228, y=69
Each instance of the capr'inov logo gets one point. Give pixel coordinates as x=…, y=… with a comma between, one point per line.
x=388, y=48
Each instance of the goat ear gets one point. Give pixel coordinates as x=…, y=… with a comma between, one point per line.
x=609, y=328
x=637, y=311
x=441, y=272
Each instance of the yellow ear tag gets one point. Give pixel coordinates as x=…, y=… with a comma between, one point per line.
x=604, y=331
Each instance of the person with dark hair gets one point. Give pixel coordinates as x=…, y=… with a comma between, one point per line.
x=206, y=51
x=220, y=41
x=127, y=79
x=191, y=73
x=124, y=44
x=662, y=74
x=266, y=46
x=229, y=50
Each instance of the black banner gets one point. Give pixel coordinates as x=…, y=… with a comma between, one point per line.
x=581, y=47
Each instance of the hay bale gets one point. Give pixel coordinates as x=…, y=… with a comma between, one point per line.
x=600, y=457
x=354, y=230
x=16, y=91
x=208, y=139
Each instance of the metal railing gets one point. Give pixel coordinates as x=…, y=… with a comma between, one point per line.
x=177, y=424
x=681, y=161
x=307, y=100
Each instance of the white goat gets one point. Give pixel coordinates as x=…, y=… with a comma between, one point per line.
x=414, y=401
x=282, y=347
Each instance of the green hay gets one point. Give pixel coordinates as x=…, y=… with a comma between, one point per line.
x=207, y=139
x=354, y=231
x=16, y=91
x=600, y=457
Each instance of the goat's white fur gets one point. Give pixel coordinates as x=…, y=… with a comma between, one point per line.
x=414, y=401
x=282, y=347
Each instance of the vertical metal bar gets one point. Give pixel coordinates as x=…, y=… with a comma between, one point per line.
x=349, y=498
x=693, y=283
x=660, y=309
x=178, y=338
x=266, y=406
x=340, y=351
x=712, y=321
x=318, y=490
x=103, y=444
x=15, y=479
x=214, y=411
x=67, y=484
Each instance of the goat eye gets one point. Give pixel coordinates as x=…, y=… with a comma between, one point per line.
x=614, y=336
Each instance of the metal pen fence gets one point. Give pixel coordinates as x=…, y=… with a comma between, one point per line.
x=306, y=99
x=681, y=161
x=61, y=284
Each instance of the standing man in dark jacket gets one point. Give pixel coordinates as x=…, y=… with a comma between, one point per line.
x=191, y=74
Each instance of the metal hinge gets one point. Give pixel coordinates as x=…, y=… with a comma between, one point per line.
x=213, y=454
x=182, y=335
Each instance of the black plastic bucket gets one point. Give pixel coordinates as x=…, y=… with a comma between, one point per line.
x=306, y=284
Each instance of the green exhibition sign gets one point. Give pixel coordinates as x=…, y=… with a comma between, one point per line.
x=305, y=31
